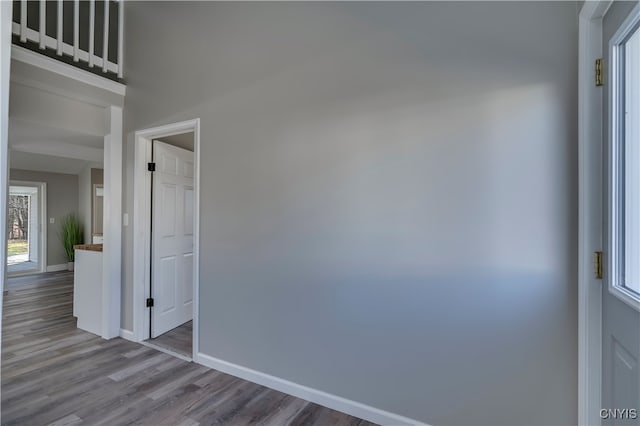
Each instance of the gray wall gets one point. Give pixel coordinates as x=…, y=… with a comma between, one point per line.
x=97, y=178
x=84, y=200
x=389, y=195
x=62, y=199
x=88, y=177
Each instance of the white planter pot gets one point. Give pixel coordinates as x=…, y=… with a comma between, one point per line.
x=70, y=266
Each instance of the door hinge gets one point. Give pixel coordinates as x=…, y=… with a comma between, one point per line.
x=151, y=167
x=150, y=302
x=599, y=76
x=597, y=264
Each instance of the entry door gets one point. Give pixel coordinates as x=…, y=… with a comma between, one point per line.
x=621, y=292
x=172, y=238
x=25, y=231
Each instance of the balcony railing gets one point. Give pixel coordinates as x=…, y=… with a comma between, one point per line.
x=87, y=33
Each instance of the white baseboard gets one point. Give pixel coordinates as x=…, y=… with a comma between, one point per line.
x=127, y=335
x=334, y=402
x=56, y=268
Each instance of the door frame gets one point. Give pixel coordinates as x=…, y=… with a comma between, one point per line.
x=590, y=211
x=42, y=192
x=142, y=225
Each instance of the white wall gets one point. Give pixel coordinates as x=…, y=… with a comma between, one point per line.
x=388, y=204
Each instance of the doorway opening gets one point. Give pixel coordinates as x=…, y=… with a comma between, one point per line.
x=166, y=247
x=171, y=284
x=26, y=228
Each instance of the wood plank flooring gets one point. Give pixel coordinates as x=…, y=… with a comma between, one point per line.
x=55, y=374
x=177, y=340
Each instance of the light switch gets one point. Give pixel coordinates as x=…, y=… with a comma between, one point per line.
x=52, y=220
x=125, y=219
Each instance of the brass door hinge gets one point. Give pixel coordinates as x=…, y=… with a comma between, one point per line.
x=599, y=76
x=597, y=264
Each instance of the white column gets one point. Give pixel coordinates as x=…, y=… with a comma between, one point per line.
x=112, y=225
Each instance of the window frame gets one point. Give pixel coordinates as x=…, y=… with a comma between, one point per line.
x=615, y=163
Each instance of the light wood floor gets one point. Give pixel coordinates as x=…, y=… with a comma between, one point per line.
x=53, y=373
x=177, y=340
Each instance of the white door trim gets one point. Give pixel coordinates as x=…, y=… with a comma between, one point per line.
x=142, y=224
x=590, y=146
x=42, y=192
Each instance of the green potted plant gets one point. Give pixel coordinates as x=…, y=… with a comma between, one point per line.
x=71, y=234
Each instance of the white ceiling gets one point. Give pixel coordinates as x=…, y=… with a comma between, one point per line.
x=22, y=131
x=46, y=163
x=53, y=133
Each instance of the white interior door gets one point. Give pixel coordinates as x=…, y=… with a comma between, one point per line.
x=171, y=238
x=621, y=292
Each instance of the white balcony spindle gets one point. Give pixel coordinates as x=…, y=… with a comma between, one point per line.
x=120, y=37
x=59, y=32
x=23, y=21
x=105, y=48
x=43, y=24
x=39, y=39
x=92, y=31
x=76, y=29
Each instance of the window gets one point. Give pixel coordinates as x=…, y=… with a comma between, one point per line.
x=631, y=140
x=624, y=164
